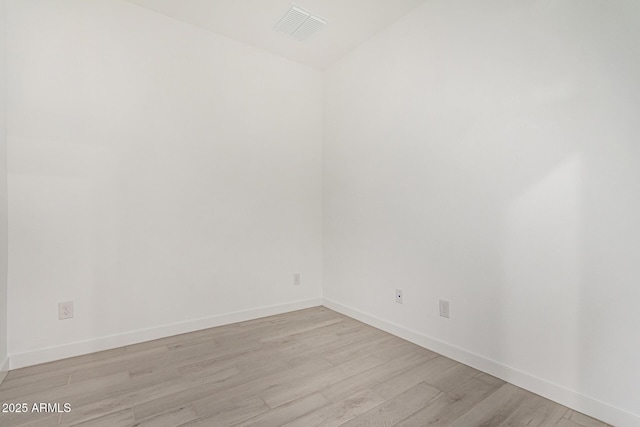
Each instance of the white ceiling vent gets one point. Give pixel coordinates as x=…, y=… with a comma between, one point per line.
x=299, y=23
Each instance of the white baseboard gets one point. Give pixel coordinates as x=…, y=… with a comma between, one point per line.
x=4, y=369
x=64, y=351
x=581, y=403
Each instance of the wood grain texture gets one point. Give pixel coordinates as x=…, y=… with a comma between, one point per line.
x=310, y=367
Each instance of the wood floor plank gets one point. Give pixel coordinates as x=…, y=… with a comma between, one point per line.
x=583, y=420
x=450, y=406
x=288, y=412
x=246, y=385
x=72, y=393
x=490, y=379
x=312, y=382
x=369, y=378
x=258, y=387
x=453, y=377
x=329, y=345
x=398, y=408
x=48, y=376
x=339, y=413
x=60, y=365
x=411, y=377
x=122, y=396
x=141, y=389
x=153, y=357
x=196, y=392
x=227, y=412
x=47, y=421
x=122, y=418
x=564, y=422
x=174, y=417
x=398, y=347
x=494, y=409
x=510, y=405
x=300, y=329
x=13, y=392
x=357, y=350
x=535, y=412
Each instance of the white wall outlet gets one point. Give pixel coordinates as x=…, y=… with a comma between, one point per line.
x=399, y=296
x=444, y=308
x=65, y=310
x=297, y=281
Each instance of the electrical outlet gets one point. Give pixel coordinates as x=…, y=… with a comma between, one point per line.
x=399, y=296
x=65, y=310
x=296, y=279
x=444, y=308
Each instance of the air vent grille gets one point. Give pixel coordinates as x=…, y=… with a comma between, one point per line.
x=299, y=23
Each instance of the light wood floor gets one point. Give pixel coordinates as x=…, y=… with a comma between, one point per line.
x=306, y=368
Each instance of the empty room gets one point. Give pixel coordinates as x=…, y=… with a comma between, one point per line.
x=320, y=213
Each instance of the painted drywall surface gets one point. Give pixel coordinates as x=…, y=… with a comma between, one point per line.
x=158, y=173
x=486, y=153
x=3, y=188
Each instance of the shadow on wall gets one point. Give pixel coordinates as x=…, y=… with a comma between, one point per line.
x=570, y=263
x=543, y=274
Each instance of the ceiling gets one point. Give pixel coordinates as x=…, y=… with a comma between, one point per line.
x=349, y=23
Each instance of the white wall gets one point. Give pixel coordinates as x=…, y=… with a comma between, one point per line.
x=3, y=193
x=487, y=153
x=158, y=174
